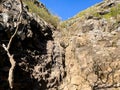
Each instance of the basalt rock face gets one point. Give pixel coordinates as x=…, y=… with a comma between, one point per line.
x=39, y=58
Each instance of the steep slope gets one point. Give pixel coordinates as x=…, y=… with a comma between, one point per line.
x=92, y=38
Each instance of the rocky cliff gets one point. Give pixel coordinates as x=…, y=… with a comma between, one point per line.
x=81, y=53
x=30, y=42
x=92, y=56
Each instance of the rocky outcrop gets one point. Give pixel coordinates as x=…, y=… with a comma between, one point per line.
x=40, y=5
x=39, y=58
x=92, y=57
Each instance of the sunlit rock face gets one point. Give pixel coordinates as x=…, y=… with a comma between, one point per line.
x=92, y=57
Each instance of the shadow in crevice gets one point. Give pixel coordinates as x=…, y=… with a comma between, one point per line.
x=25, y=49
x=4, y=70
x=25, y=55
x=39, y=39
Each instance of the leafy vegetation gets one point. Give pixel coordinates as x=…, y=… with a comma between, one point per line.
x=50, y=18
x=94, y=11
x=80, y=15
x=114, y=12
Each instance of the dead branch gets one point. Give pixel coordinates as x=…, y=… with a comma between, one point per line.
x=11, y=71
x=6, y=48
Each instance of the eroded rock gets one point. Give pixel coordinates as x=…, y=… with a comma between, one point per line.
x=38, y=56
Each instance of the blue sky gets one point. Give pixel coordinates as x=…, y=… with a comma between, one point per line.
x=66, y=9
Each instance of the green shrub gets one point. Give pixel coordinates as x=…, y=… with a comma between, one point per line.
x=114, y=12
x=52, y=19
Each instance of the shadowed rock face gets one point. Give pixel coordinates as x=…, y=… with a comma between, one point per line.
x=40, y=59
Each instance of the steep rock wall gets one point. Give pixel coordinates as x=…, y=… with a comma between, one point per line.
x=39, y=61
x=92, y=56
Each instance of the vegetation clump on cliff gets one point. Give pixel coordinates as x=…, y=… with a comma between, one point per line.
x=42, y=12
